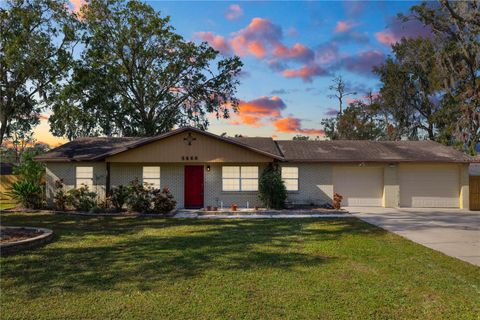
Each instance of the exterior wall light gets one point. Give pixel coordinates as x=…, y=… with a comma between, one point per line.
x=208, y=168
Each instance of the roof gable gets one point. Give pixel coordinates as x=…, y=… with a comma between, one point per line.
x=193, y=145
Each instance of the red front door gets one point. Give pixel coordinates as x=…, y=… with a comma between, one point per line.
x=193, y=186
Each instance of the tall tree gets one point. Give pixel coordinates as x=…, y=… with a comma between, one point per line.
x=411, y=83
x=340, y=91
x=138, y=77
x=359, y=121
x=37, y=40
x=456, y=26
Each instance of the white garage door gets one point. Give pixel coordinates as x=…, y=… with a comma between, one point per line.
x=359, y=186
x=429, y=186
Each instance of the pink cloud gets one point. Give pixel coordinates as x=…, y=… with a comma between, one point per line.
x=217, y=42
x=344, y=26
x=386, y=38
x=234, y=12
x=298, y=52
x=254, y=111
x=306, y=72
x=268, y=110
x=327, y=53
x=263, y=40
x=331, y=112
x=257, y=49
x=293, y=125
x=398, y=29
x=351, y=100
x=363, y=62
x=261, y=32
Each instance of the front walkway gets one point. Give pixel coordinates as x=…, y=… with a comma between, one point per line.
x=453, y=232
x=261, y=214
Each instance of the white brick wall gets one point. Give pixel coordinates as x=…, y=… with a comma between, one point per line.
x=315, y=183
x=171, y=176
x=213, y=194
x=66, y=171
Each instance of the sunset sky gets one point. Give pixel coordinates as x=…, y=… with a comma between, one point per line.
x=290, y=51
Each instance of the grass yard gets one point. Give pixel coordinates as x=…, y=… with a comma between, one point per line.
x=140, y=268
x=9, y=205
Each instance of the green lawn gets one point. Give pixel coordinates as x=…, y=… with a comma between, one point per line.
x=140, y=268
x=9, y=205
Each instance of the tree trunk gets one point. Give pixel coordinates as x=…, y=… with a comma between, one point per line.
x=3, y=130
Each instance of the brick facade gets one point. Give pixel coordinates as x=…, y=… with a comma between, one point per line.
x=315, y=182
x=67, y=171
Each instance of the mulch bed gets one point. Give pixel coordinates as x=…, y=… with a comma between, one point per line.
x=11, y=235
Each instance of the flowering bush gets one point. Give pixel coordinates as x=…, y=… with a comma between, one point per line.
x=119, y=197
x=82, y=199
x=139, y=197
x=60, y=197
x=163, y=201
x=146, y=199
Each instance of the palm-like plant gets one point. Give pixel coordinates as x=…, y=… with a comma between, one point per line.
x=28, y=194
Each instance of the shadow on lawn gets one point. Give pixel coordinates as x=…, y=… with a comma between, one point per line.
x=140, y=253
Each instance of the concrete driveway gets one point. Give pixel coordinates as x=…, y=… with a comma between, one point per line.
x=452, y=231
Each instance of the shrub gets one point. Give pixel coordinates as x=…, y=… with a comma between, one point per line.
x=119, y=196
x=272, y=191
x=60, y=197
x=139, y=197
x=29, y=170
x=29, y=194
x=163, y=201
x=82, y=199
x=28, y=190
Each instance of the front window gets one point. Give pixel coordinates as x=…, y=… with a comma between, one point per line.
x=151, y=176
x=240, y=178
x=84, y=176
x=290, y=178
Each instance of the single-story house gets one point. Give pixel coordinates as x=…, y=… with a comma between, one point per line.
x=204, y=169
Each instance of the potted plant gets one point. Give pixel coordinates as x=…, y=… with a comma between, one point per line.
x=234, y=207
x=337, y=201
x=209, y=208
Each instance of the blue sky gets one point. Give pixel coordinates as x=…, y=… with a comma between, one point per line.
x=291, y=51
x=315, y=25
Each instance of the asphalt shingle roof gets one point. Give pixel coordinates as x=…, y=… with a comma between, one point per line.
x=97, y=148
x=369, y=151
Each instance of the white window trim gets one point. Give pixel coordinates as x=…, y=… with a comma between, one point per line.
x=240, y=179
x=292, y=179
x=84, y=177
x=153, y=181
